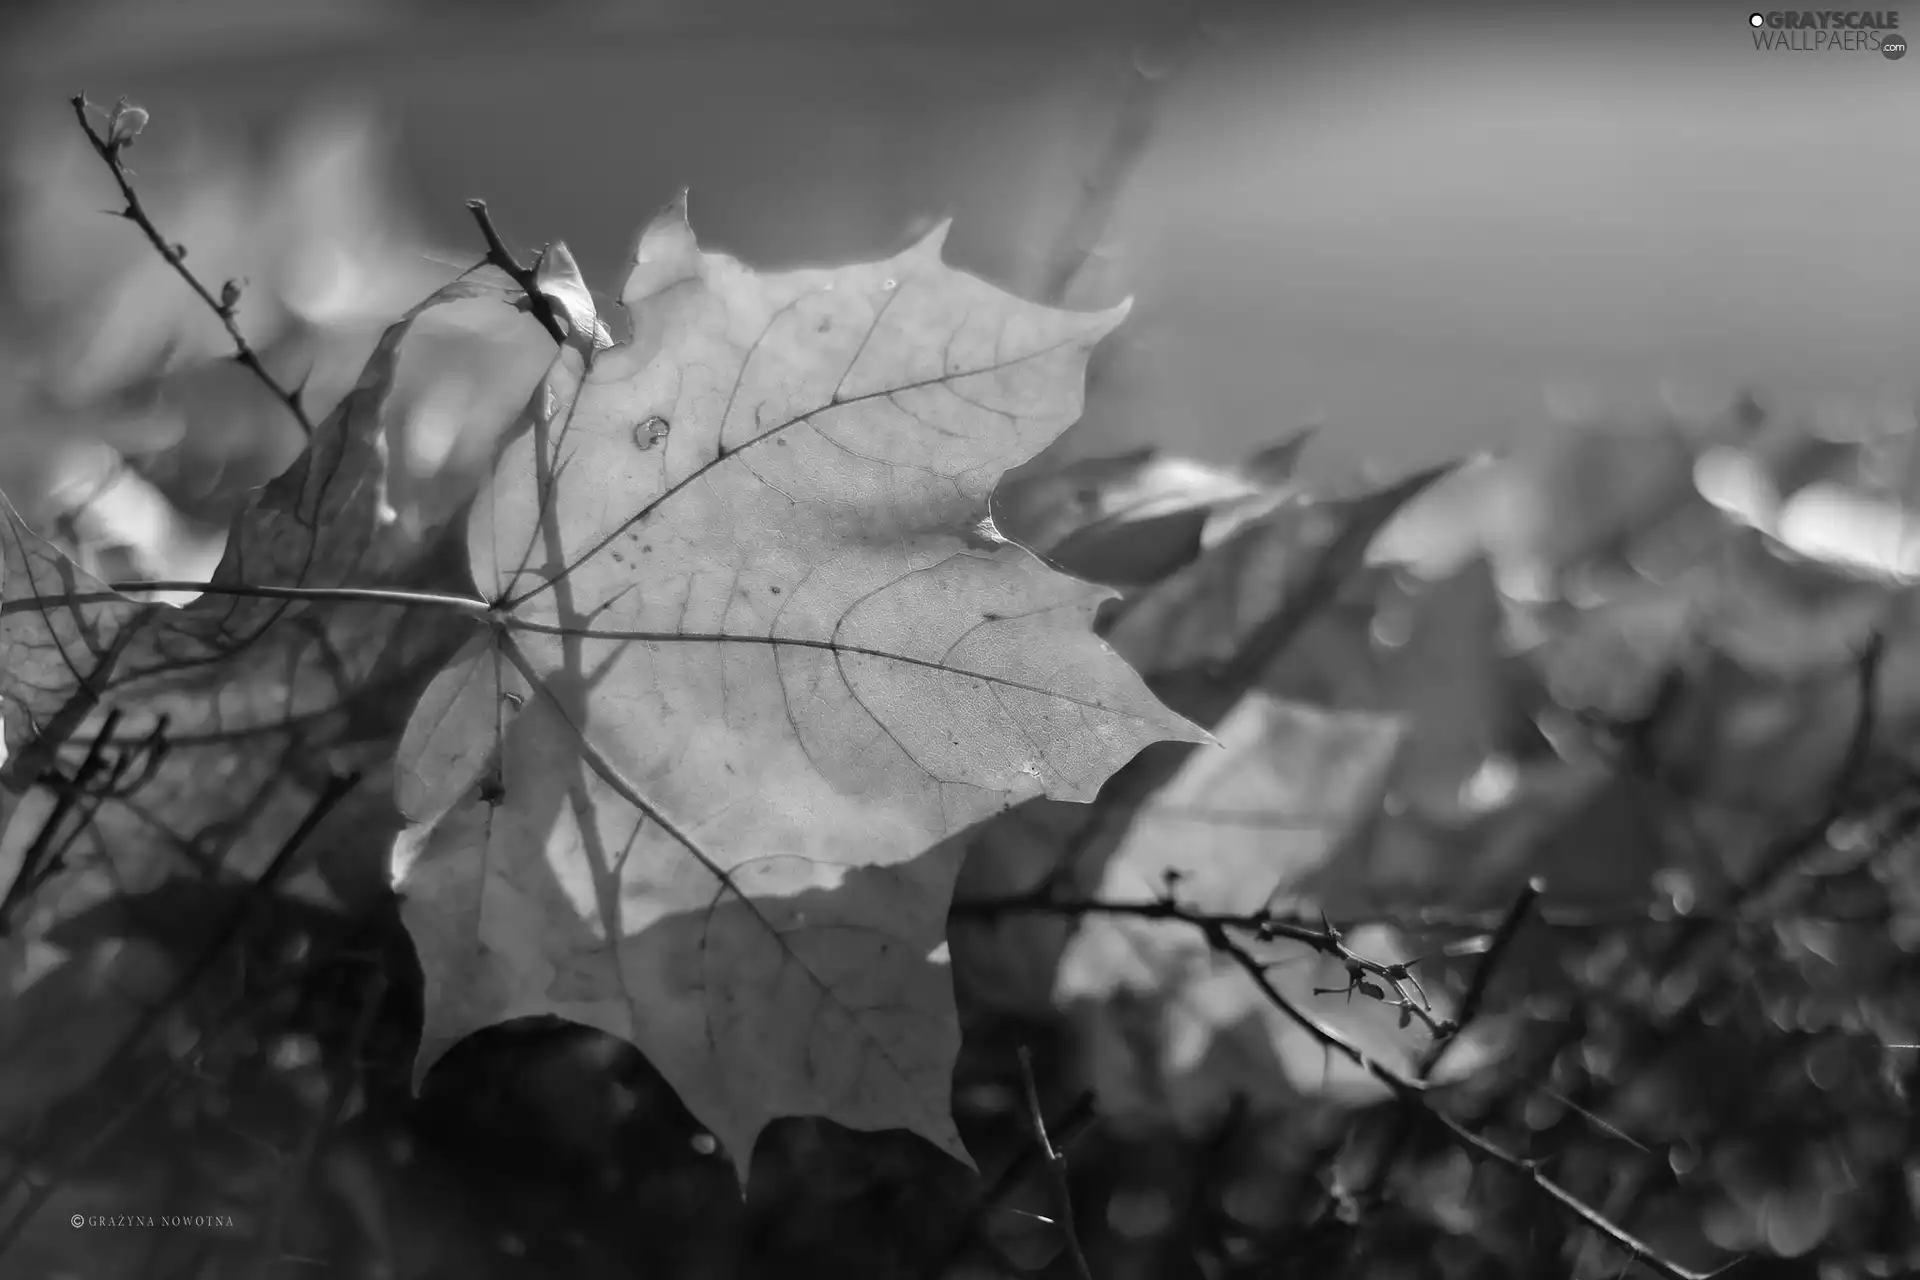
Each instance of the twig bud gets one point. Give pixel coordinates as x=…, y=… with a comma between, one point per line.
x=125, y=124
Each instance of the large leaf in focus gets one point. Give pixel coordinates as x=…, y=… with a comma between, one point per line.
x=749, y=672
x=261, y=698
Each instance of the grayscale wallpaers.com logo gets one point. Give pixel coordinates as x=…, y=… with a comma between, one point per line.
x=1817, y=30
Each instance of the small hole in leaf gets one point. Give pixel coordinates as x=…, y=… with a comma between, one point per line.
x=650, y=432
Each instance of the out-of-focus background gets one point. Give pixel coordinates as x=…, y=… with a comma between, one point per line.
x=1427, y=229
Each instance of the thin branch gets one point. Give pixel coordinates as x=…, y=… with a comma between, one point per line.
x=35, y=863
x=1369, y=1195
x=325, y=1121
x=1329, y=941
x=1483, y=973
x=538, y=304
x=109, y=149
x=330, y=796
x=1414, y=1091
x=1078, y=1116
x=1056, y=1167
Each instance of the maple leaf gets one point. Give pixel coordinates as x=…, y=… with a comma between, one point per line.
x=747, y=672
x=262, y=697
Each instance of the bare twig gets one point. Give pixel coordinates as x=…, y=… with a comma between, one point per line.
x=1328, y=940
x=1483, y=974
x=1078, y=1116
x=325, y=1121
x=330, y=796
x=1396, y=1144
x=96, y=780
x=109, y=149
x=35, y=863
x=1413, y=1091
x=538, y=304
x=1056, y=1167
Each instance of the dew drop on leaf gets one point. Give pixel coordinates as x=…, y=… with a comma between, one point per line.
x=649, y=432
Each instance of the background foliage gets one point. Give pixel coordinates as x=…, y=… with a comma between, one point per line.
x=1663, y=663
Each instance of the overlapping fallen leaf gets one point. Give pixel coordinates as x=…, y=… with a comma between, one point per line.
x=1132, y=519
x=260, y=699
x=750, y=668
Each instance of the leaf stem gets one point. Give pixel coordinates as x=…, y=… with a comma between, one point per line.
x=353, y=595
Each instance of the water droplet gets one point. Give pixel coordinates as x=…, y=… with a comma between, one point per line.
x=650, y=432
x=705, y=1144
x=889, y=284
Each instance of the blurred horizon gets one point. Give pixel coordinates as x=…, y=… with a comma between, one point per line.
x=1415, y=228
